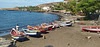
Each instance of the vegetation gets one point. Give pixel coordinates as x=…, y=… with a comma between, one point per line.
x=70, y=6
x=89, y=7
x=30, y=8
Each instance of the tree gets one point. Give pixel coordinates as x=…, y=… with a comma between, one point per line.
x=89, y=7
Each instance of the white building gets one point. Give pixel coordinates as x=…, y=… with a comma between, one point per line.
x=46, y=8
x=65, y=1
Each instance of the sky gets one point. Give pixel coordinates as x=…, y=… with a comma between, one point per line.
x=21, y=3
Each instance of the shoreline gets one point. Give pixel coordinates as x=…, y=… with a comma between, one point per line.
x=63, y=37
x=8, y=36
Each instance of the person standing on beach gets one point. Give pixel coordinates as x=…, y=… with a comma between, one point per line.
x=17, y=26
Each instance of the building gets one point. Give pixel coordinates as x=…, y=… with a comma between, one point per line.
x=65, y=1
x=46, y=8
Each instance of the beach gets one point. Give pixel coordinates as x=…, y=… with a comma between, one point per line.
x=63, y=37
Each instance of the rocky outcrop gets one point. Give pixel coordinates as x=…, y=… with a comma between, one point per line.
x=4, y=42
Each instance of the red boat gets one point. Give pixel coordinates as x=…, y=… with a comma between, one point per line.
x=30, y=27
x=95, y=29
x=36, y=28
x=17, y=35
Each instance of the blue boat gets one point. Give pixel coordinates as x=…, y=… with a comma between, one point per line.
x=32, y=32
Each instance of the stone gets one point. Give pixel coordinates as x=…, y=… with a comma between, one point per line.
x=4, y=42
x=88, y=37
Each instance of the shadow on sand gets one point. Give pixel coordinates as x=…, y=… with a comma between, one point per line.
x=35, y=36
x=45, y=33
x=49, y=46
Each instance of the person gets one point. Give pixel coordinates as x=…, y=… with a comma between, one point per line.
x=17, y=27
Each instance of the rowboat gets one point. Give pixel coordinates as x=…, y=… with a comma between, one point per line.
x=56, y=25
x=64, y=25
x=30, y=27
x=43, y=30
x=95, y=29
x=17, y=35
x=31, y=32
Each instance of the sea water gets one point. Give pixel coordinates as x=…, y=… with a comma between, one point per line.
x=9, y=20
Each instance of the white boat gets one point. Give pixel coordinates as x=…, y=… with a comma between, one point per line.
x=31, y=32
x=96, y=29
x=64, y=25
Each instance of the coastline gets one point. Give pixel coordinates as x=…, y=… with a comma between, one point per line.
x=62, y=37
x=58, y=14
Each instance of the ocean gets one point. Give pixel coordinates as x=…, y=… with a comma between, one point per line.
x=9, y=20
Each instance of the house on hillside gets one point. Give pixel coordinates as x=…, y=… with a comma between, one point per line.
x=46, y=8
x=65, y=1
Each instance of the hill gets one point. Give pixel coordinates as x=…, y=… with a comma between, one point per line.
x=48, y=4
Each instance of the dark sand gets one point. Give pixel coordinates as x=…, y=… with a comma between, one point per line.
x=63, y=37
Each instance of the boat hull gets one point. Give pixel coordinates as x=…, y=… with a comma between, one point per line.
x=95, y=29
x=64, y=25
x=31, y=32
x=17, y=36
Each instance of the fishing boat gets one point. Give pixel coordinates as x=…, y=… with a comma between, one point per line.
x=43, y=30
x=17, y=35
x=56, y=25
x=32, y=32
x=64, y=25
x=47, y=26
x=30, y=27
x=95, y=29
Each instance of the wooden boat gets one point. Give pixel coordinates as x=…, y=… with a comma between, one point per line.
x=47, y=27
x=37, y=28
x=64, y=25
x=30, y=27
x=56, y=25
x=17, y=35
x=32, y=32
x=96, y=29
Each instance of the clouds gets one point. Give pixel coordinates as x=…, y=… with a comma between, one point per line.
x=14, y=3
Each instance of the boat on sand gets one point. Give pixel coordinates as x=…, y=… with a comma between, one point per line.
x=17, y=35
x=94, y=29
x=31, y=32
